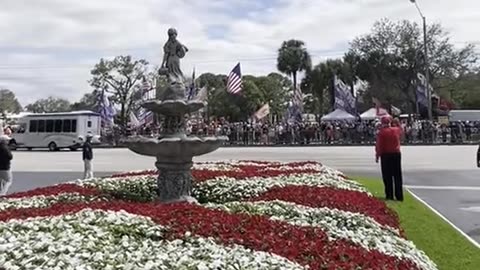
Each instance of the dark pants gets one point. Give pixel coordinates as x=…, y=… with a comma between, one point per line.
x=392, y=175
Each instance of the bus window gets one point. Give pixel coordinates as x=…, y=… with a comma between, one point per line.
x=50, y=124
x=33, y=126
x=89, y=124
x=74, y=125
x=41, y=125
x=58, y=126
x=67, y=125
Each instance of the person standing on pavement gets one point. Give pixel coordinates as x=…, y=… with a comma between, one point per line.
x=5, y=161
x=87, y=155
x=388, y=151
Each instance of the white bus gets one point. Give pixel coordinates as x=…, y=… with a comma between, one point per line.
x=55, y=130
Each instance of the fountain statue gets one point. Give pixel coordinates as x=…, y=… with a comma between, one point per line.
x=174, y=150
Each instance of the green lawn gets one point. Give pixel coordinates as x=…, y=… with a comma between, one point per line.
x=443, y=244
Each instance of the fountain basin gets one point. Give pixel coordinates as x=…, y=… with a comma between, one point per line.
x=173, y=107
x=177, y=148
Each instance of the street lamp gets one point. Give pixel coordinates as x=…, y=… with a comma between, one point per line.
x=427, y=73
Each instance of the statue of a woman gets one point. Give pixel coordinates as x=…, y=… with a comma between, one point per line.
x=173, y=51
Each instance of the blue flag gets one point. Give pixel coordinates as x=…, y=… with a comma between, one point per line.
x=106, y=110
x=344, y=100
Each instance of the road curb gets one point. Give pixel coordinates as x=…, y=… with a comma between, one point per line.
x=470, y=239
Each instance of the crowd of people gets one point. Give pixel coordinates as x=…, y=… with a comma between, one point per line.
x=326, y=133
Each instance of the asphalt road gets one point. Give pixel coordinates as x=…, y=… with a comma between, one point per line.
x=445, y=177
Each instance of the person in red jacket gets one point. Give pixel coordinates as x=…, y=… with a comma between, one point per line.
x=388, y=151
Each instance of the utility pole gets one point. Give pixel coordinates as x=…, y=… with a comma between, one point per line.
x=427, y=64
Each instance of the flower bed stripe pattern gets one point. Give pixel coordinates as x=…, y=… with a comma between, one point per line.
x=331, y=197
x=253, y=215
x=118, y=240
x=357, y=228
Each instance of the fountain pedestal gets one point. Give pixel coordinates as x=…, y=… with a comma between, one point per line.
x=174, y=181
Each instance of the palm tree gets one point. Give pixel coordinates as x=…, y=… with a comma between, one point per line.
x=292, y=58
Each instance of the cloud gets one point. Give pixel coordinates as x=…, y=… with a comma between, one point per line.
x=48, y=47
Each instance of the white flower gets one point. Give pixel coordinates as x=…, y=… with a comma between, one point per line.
x=224, y=189
x=42, y=201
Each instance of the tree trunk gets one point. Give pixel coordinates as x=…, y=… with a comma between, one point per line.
x=122, y=116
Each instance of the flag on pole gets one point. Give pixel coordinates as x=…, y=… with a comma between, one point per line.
x=134, y=120
x=298, y=97
x=145, y=117
x=378, y=105
x=234, y=80
x=344, y=98
x=295, y=108
x=106, y=110
x=421, y=91
x=191, y=89
x=202, y=94
x=396, y=111
x=148, y=92
x=262, y=112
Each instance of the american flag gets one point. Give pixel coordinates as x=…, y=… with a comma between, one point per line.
x=148, y=92
x=145, y=117
x=298, y=97
x=234, y=81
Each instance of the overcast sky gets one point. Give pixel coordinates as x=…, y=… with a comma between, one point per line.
x=48, y=47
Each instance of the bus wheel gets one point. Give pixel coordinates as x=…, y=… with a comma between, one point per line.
x=73, y=149
x=52, y=146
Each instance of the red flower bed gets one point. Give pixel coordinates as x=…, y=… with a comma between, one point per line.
x=307, y=246
x=56, y=190
x=346, y=200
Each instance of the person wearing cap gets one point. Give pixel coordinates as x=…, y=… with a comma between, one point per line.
x=398, y=127
x=87, y=155
x=388, y=151
x=5, y=161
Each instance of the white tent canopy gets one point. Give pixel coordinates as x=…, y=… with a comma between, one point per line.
x=371, y=114
x=338, y=115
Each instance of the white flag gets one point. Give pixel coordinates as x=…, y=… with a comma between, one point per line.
x=133, y=120
x=263, y=111
x=202, y=94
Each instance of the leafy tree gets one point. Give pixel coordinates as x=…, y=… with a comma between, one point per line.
x=292, y=58
x=8, y=102
x=466, y=93
x=49, y=105
x=88, y=102
x=390, y=57
x=256, y=92
x=285, y=81
x=121, y=77
x=273, y=90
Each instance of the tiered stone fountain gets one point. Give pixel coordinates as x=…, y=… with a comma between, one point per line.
x=174, y=150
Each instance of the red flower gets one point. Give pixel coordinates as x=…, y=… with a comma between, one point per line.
x=345, y=200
